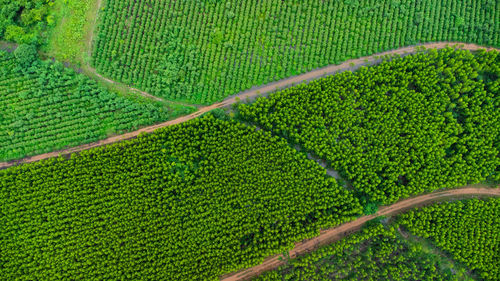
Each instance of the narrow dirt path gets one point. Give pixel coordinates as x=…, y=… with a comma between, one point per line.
x=350, y=65
x=331, y=235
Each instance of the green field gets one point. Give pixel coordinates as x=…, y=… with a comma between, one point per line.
x=46, y=107
x=202, y=51
x=374, y=253
x=406, y=126
x=468, y=230
x=252, y=177
x=70, y=38
x=188, y=202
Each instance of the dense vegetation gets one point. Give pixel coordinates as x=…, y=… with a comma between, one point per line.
x=374, y=253
x=204, y=50
x=24, y=21
x=45, y=106
x=469, y=230
x=406, y=126
x=188, y=202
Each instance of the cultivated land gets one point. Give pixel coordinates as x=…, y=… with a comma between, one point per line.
x=46, y=107
x=255, y=92
x=467, y=230
x=203, y=51
x=397, y=129
x=189, y=202
x=331, y=235
x=216, y=194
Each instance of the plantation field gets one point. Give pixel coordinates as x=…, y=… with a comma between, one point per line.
x=374, y=253
x=203, y=51
x=468, y=230
x=188, y=202
x=45, y=107
x=406, y=126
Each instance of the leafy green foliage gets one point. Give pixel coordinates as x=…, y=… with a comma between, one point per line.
x=23, y=21
x=73, y=26
x=374, y=253
x=47, y=107
x=187, y=202
x=370, y=208
x=468, y=230
x=25, y=55
x=406, y=126
x=203, y=50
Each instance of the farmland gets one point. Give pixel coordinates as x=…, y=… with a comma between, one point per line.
x=400, y=128
x=45, y=106
x=203, y=51
x=230, y=140
x=187, y=202
x=466, y=230
x=375, y=253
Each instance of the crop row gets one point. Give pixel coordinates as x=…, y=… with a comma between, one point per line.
x=46, y=107
x=406, y=126
x=468, y=230
x=202, y=51
x=187, y=202
x=464, y=232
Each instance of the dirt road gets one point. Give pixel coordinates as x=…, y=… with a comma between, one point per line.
x=334, y=234
x=352, y=64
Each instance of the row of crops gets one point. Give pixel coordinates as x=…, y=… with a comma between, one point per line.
x=189, y=202
x=202, y=51
x=467, y=231
x=210, y=196
x=403, y=127
x=374, y=253
x=45, y=106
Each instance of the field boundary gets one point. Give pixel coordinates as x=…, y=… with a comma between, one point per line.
x=349, y=65
x=331, y=235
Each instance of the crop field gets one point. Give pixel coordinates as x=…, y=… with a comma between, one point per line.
x=189, y=202
x=202, y=51
x=406, y=126
x=375, y=253
x=46, y=107
x=468, y=230
x=280, y=140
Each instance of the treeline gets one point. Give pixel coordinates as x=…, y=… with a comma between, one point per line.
x=468, y=230
x=45, y=107
x=202, y=51
x=187, y=202
x=404, y=127
x=374, y=253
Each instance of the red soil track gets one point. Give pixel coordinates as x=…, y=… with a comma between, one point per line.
x=254, y=92
x=331, y=235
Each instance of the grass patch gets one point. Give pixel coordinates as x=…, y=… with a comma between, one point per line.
x=70, y=38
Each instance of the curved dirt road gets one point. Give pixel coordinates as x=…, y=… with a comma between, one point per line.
x=334, y=234
x=351, y=65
